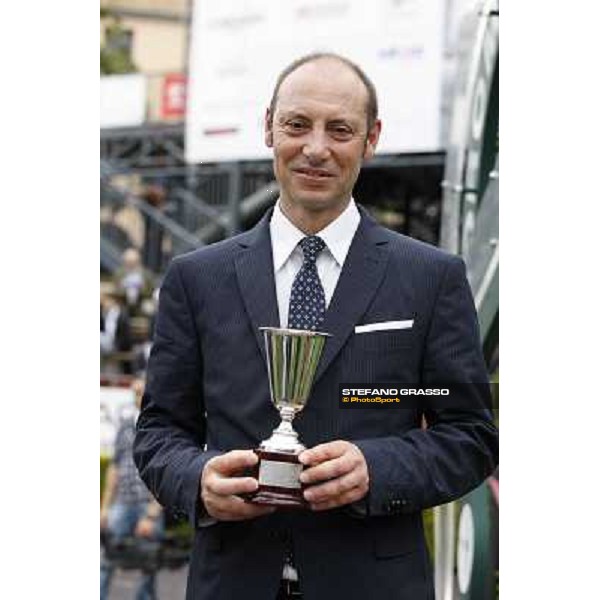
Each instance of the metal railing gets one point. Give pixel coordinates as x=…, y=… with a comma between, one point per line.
x=231, y=200
x=115, y=198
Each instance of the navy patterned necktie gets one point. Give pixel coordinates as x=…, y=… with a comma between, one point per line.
x=307, y=300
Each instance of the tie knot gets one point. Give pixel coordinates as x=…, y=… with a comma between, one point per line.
x=311, y=246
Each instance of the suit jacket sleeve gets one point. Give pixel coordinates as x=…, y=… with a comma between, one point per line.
x=459, y=448
x=171, y=429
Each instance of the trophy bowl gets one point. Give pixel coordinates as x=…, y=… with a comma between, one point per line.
x=292, y=359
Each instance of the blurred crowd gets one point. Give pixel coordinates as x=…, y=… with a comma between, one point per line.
x=127, y=509
x=128, y=302
x=129, y=516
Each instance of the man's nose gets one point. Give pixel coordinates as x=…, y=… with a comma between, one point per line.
x=316, y=147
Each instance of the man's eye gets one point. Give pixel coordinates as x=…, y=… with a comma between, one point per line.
x=296, y=125
x=341, y=131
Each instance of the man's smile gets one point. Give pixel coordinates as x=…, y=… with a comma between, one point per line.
x=312, y=173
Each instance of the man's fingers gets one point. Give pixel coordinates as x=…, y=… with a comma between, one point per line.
x=330, y=469
x=223, y=484
x=233, y=462
x=335, y=488
x=219, y=474
x=338, y=465
x=323, y=452
x=336, y=474
x=228, y=486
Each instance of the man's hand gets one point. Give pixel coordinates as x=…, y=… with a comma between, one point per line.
x=221, y=484
x=336, y=473
x=145, y=527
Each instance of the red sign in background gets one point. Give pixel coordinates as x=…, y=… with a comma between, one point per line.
x=174, y=95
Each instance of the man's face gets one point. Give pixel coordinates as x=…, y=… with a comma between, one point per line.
x=319, y=137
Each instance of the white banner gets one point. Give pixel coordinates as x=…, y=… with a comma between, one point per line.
x=238, y=49
x=122, y=100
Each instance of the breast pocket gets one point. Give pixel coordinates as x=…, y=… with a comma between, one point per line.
x=383, y=342
x=380, y=356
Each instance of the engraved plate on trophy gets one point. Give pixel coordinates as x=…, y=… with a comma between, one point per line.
x=292, y=359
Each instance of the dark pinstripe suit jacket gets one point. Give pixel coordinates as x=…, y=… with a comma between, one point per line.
x=207, y=385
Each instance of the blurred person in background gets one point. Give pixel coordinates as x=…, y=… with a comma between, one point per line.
x=142, y=350
x=127, y=508
x=155, y=195
x=133, y=280
x=115, y=330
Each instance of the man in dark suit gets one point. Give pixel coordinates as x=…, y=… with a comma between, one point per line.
x=398, y=311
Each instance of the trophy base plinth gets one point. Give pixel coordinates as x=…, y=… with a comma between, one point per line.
x=268, y=497
x=278, y=484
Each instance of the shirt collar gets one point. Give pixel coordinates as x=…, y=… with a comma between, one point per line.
x=337, y=235
x=284, y=237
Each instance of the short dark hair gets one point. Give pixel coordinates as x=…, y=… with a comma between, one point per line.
x=372, y=108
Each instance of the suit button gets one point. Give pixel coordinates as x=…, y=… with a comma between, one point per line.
x=397, y=505
x=402, y=504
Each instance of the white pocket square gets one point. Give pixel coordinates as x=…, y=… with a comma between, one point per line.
x=384, y=326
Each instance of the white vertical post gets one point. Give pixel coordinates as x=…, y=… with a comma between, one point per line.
x=444, y=535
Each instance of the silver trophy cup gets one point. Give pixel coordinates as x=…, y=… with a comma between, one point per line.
x=292, y=358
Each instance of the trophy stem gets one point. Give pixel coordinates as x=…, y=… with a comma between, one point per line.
x=284, y=438
x=287, y=414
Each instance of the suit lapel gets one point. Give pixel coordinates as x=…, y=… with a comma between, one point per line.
x=254, y=269
x=361, y=275
x=359, y=280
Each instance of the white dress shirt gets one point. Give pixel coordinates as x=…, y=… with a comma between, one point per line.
x=288, y=257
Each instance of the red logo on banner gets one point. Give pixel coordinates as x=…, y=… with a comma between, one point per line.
x=173, y=95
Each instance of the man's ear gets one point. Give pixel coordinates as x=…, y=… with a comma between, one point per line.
x=268, y=129
x=372, y=140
